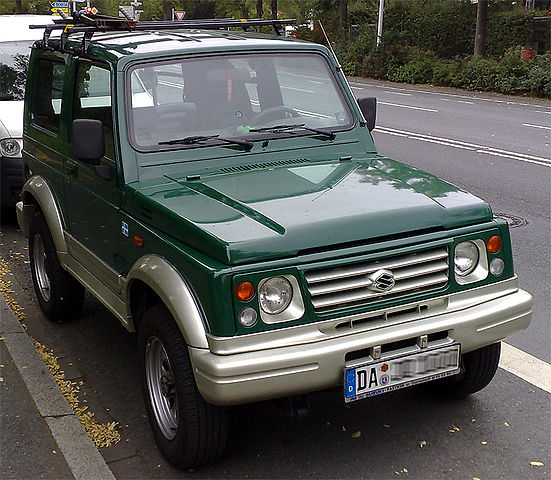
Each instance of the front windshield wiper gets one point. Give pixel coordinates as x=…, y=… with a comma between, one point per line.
x=283, y=128
x=194, y=139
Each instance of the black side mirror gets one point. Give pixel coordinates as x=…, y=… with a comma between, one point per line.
x=368, y=106
x=88, y=140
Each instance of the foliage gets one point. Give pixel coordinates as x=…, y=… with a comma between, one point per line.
x=424, y=41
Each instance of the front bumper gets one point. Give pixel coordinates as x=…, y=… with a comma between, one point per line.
x=312, y=357
x=11, y=180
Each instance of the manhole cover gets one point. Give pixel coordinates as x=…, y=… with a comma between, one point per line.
x=513, y=220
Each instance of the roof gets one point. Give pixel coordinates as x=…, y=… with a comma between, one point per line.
x=16, y=27
x=124, y=47
x=122, y=40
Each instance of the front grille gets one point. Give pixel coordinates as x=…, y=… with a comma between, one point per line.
x=360, y=283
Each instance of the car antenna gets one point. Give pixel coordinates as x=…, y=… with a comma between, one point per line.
x=330, y=46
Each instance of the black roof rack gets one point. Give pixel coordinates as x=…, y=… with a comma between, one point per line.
x=88, y=24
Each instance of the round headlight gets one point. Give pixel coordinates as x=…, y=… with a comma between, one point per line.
x=466, y=258
x=275, y=294
x=9, y=147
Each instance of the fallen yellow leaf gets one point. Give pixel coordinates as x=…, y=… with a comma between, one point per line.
x=536, y=464
x=506, y=424
x=423, y=443
x=484, y=443
x=357, y=434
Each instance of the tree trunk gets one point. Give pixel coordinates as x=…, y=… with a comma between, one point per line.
x=481, y=21
x=18, y=6
x=274, y=9
x=167, y=10
x=259, y=9
x=344, y=18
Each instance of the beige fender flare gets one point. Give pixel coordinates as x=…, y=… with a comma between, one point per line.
x=40, y=190
x=175, y=293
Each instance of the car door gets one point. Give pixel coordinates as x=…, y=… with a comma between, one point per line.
x=92, y=192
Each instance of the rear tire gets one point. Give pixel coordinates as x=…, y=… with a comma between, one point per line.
x=477, y=370
x=189, y=431
x=59, y=294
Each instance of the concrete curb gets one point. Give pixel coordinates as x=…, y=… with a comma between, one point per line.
x=81, y=455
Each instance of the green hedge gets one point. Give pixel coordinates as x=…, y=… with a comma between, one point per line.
x=508, y=74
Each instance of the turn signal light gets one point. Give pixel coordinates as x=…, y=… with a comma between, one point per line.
x=494, y=244
x=244, y=291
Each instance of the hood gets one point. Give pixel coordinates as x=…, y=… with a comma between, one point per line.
x=11, y=118
x=277, y=212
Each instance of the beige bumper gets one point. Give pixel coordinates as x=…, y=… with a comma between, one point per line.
x=314, y=359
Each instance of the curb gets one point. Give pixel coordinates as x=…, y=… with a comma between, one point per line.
x=80, y=453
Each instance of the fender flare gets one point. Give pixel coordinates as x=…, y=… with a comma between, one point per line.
x=174, y=292
x=40, y=190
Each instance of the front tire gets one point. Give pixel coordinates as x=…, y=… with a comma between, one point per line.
x=477, y=370
x=189, y=431
x=59, y=294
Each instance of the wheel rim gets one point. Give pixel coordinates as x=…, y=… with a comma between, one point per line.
x=161, y=388
x=40, y=267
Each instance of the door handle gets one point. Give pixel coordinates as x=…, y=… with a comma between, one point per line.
x=71, y=168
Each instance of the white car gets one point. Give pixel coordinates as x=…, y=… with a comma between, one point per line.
x=16, y=39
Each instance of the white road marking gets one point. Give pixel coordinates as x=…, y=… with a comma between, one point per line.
x=469, y=97
x=448, y=142
x=399, y=93
x=465, y=101
x=298, y=89
x=407, y=106
x=535, y=126
x=525, y=366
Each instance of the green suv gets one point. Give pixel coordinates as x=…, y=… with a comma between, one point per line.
x=220, y=193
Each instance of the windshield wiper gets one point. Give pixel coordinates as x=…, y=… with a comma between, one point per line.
x=292, y=126
x=194, y=139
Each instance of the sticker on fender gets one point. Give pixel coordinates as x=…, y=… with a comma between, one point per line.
x=400, y=371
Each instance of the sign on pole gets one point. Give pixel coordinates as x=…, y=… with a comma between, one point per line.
x=179, y=15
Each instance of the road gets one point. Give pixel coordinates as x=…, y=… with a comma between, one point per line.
x=480, y=142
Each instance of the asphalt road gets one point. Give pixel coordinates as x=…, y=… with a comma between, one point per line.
x=406, y=434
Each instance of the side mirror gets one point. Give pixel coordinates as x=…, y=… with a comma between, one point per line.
x=368, y=106
x=88, y=140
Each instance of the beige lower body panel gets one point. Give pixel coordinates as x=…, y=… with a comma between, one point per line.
x=289, y=370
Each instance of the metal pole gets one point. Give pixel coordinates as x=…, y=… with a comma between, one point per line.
x=380, y=21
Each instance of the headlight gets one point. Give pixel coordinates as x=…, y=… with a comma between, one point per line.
x=275, y=295
x=9, y=147
x=465, y=258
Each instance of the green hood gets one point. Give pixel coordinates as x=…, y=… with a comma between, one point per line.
x=265, y=213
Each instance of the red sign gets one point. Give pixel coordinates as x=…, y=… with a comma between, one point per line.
x=180, y=15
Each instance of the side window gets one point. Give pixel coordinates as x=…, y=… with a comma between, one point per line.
x=93, y=99
x=46, y=110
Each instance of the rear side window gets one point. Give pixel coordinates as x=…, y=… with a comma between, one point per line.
x=93, y=99
x=46, y=111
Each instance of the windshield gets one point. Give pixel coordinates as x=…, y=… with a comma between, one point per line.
x=14, y=58
x=202, y=101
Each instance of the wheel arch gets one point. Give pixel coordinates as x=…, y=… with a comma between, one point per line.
x=153, y=279
x=37, y=195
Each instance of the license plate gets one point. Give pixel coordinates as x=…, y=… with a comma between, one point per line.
x=401, y=371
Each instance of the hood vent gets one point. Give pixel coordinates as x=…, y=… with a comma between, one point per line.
x=257, y=166
x=147, y=213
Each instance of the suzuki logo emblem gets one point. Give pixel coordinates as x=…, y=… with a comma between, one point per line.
x=383, y=280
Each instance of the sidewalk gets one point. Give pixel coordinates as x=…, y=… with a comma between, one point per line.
x=40, y=437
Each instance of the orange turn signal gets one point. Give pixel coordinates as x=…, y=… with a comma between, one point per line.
x=244, y=291
x=494, y=244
